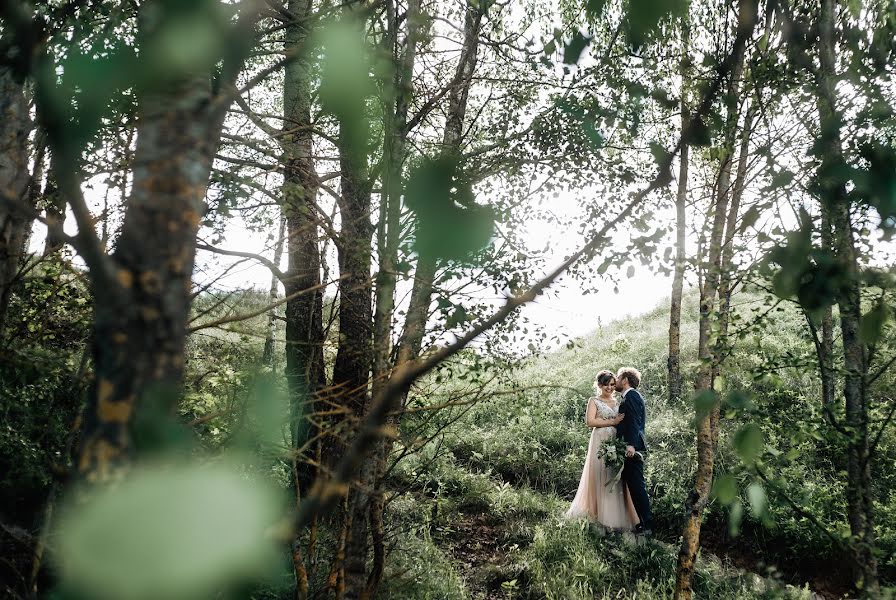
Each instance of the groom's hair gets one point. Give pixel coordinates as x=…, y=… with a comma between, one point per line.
x=632, y=375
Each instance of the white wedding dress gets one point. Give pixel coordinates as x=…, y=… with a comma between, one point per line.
x=596, y=501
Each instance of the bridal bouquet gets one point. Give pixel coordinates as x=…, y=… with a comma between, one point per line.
x=612, y=451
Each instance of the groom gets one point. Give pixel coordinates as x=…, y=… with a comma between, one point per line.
x=631, y=429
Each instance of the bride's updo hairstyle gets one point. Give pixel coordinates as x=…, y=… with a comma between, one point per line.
x=605, y=377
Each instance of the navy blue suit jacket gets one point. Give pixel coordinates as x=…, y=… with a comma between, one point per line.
x=631, y=429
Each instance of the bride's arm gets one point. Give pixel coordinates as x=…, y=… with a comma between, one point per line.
x=592, y=420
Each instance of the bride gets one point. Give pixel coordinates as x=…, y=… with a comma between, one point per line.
x=608, y=505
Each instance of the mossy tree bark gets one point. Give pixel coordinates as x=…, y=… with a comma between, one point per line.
x=15, y=126
x=142, y=301
x=142, y=292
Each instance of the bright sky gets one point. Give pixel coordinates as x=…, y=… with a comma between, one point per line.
x=565, y=311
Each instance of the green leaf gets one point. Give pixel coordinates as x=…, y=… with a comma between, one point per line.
x=750, y=217
x=735, y=516
x=781, y=179
x=739, y=400
x=595, y=8
x=450, y=225
x=345, y=79
x=872, y=324
x=699, y=134
x=458, y=317
x=663, y=99
x=704, y=402
x=660, y=154
x=749, y=442
x=574, y=48
x=593, y=134
x=187, y=41
x=168, y=532
x=724, y=488
x=644, y=16
x=758, y=500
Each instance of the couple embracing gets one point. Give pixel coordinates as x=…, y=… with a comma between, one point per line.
x=624, y=506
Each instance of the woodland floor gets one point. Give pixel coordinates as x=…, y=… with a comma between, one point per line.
x=474, y=542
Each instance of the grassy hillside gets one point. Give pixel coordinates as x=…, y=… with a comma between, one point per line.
x=489, y=492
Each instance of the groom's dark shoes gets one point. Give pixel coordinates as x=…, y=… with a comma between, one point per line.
x=639, y=529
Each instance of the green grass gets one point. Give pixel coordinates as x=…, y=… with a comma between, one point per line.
x=518, y=457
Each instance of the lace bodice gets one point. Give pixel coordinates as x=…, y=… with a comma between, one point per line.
x=604, y=411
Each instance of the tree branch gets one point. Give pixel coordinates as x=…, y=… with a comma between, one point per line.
x=255, y=313
x=274, y=269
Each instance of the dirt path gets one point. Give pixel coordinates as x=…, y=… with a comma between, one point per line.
x=476, y=544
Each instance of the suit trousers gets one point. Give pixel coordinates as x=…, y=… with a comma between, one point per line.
x=633, y=476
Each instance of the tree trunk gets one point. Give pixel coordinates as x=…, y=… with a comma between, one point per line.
x=388, y=237
x=421, y=294
x=56, y=204
x=674, y=359
x=15, y=125
x=707, y=427
x=267, y=355
x=354, y=355
x=424, y=275
x=351, y=371
x=836, y=203
x=726, y=286
x=304, y=311
x=826, y=364
x=142, y=299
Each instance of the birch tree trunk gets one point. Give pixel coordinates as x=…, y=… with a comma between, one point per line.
x=674, y=360
x=707, y=426
x=142, y=299
x=421, y=294
x=424, y=275
x=836, y=204
x=726, y=284
x=388, y=237
x=142, y=292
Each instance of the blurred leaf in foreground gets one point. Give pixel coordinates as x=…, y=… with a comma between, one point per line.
x=451, y=224
x=168, y=532
x=749, y=442
x=345, y=79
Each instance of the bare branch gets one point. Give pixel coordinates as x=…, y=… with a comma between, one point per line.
x=255, y=313
x=274, y=269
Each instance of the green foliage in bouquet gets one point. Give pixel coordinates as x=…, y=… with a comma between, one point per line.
x=612, y=451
